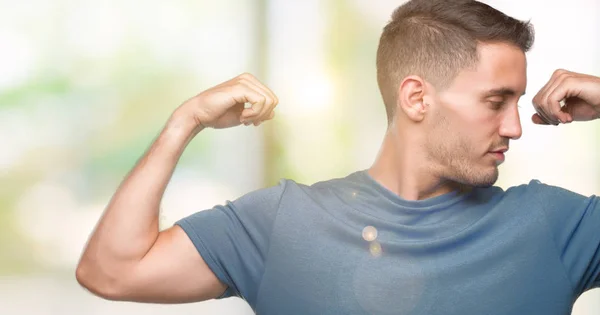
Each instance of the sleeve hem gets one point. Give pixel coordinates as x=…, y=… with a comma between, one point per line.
x=208, y=258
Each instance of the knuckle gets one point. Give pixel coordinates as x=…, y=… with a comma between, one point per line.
x=246, y=76
x=559, y=72
x=269, y=100
x=566, y=77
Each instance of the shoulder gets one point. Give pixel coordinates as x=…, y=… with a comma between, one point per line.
x=537, y=191
x=556, y=203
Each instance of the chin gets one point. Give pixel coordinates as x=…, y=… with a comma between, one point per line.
x=478, y=178
x=486, y=180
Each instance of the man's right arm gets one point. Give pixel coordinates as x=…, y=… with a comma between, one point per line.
x=127, y=258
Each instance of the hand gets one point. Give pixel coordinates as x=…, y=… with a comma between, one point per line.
x=580, y=94
x=223, y=106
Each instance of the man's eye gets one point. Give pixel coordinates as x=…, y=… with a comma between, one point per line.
x=496, y=105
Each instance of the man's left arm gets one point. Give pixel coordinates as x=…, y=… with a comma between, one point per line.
x=567, y=97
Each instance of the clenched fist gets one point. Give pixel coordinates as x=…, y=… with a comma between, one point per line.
x=241, y=100
x=567, y=97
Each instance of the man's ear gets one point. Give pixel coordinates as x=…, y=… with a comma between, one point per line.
x=410, y=98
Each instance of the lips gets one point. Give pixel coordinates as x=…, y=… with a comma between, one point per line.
x=499, y=155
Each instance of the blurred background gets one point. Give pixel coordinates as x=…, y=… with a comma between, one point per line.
x=85, y=86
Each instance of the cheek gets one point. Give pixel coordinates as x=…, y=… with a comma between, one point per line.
x=466, y=141
x=479, y=124
x=465, y=112
x=463, y=129
x=451, y=137
x=478, y=115
x=468, y=138
x=466, y=129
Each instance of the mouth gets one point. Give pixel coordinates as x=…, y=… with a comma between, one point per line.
x=499, y=154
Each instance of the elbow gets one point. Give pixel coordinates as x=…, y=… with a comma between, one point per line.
x=99, y=283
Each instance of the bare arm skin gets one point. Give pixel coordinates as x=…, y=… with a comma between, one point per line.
x=126, y=257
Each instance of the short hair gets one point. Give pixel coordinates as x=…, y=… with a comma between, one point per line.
x=436, y=39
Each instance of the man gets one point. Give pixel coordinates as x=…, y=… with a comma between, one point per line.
x=422, y=231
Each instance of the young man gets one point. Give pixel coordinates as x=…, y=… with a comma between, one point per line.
x=422, y=231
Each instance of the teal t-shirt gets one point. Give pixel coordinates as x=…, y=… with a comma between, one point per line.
x=350, y=246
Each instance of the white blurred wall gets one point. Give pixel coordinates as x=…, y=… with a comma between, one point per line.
x=568, y=36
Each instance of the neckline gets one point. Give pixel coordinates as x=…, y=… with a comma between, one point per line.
x=429, y=204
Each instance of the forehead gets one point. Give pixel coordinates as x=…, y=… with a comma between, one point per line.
x=500, y=66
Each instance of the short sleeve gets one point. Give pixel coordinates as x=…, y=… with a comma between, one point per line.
x=575, y=223
x=233, y=239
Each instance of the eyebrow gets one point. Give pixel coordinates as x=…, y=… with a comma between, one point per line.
x=502, y=92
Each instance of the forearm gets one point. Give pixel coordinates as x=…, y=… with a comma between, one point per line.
x=129, y=225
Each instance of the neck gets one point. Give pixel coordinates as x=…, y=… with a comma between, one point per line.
x=403, y=168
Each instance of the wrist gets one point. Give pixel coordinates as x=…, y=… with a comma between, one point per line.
x=184, y=124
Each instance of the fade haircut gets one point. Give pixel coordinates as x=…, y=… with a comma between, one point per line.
x=436, y=39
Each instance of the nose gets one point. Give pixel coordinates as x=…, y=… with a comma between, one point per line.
x=511, y=124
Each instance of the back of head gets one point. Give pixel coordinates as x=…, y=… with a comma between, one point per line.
x=436, y=39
